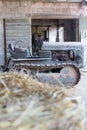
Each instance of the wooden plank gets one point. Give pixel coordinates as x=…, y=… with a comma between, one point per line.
x=83, y=23
x=17, y=30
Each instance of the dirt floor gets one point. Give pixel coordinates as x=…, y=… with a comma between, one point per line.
x=81, y=87
x=79, y=91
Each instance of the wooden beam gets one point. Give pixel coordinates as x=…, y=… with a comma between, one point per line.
x=30, y=35
x=5, y=48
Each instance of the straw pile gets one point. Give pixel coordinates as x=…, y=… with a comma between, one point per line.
x=26, y=104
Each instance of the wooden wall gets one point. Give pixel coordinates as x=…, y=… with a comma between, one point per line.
x=17, y=31
x=26, y=8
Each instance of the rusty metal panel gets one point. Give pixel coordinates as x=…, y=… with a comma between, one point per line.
x=17, y=32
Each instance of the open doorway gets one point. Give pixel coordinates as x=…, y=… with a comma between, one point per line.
x=56, y=30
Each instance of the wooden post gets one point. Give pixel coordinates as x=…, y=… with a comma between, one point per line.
x=30, y=33
x=48, y=33
x=5, y=48
x=57, y=36
x=77, y=30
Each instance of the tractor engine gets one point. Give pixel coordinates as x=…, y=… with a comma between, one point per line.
x=65, y=52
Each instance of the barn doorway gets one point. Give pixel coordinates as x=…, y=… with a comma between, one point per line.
x=56, y=30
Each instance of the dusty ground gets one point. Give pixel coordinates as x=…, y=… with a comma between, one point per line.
x=81, y=87
x=81, y=91
x=78, y=91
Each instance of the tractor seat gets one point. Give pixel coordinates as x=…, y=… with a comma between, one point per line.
x=17, y=52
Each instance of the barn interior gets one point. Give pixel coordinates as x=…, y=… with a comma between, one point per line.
x=56, y=30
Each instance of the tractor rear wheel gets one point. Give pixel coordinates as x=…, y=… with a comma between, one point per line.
x=70, y=75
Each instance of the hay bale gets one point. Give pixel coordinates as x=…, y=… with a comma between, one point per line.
x=26, y=104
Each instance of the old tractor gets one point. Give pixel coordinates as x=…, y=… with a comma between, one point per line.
x=65, y=58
